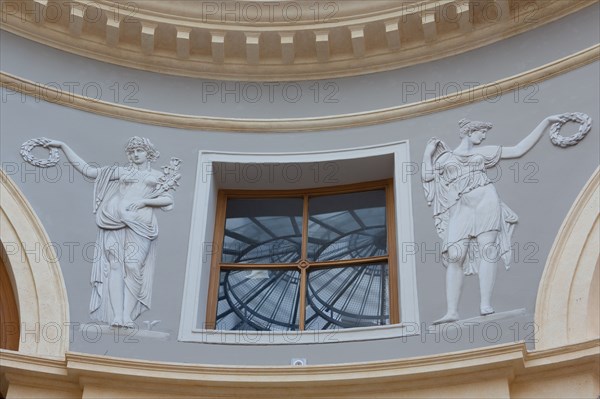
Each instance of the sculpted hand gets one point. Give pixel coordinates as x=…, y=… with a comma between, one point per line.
x=554, y=119
x=134, y=206
x=54, y=143
x=431, y=146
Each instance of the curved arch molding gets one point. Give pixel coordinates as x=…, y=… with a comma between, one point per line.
x=219, y=40
x=38, y=283
x=194, y=122
x=9, y=313
x=567, y=302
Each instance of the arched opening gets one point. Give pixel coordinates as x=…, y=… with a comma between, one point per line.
x=567, y=302
x=9, y=313
x=593, y=326
x=37, y=286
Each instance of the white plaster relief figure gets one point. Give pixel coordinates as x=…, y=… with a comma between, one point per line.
x=469, y=216
x=124, y=202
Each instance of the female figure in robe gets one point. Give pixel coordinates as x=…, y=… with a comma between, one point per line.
x=469, y=216
x=124, y=203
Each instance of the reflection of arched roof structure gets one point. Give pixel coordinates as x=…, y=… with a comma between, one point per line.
x=40, y=290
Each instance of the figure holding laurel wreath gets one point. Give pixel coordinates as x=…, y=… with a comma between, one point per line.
x=124, y=202
x=468, y=215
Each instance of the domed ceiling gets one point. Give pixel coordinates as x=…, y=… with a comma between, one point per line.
x=275, y=40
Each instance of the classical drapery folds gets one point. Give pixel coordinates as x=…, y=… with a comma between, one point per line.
x=475, y=226
x=124, y=201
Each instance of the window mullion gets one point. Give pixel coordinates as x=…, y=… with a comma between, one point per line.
x=302, y=304
x=258, y=266
x=303, y=259
x=305, y=229
x=352, y=262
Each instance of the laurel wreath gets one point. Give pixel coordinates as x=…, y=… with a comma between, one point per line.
x=29, y=145
x=585, y=124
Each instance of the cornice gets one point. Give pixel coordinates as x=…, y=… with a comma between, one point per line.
x=50, y=365
x=505, y=361
x=488, y=357
x=350, y=39
x=567, y=353
x=375, y=117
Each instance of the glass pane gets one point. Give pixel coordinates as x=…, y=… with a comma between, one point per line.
x=258, y=300
x=347, y=226
x=263, y=231
x=345, y=297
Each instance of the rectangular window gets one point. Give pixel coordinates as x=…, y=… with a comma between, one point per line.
x=304, y=260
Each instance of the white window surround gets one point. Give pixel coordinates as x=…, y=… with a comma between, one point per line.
x=201, y=235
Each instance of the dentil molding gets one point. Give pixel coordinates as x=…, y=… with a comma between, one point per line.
x=275, y=40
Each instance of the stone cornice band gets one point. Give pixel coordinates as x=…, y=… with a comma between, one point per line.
x=509, y=363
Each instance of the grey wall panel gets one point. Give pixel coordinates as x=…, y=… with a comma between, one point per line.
x=541, y=193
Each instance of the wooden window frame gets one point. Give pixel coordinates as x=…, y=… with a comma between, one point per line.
x=303, y=265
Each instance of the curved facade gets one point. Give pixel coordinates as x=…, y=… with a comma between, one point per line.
x=282, y=242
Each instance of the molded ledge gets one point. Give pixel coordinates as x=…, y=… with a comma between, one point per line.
x=491, y=370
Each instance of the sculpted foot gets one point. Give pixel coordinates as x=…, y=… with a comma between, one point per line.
x=116, y=322
x=486, y=310
x=448, y=318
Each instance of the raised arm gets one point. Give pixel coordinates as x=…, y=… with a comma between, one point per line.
x=78, y=163
x=532, y=138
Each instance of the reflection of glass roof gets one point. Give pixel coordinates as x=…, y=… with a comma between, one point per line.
x=267, y=300
x=347, y=297
x=269, y=231
x=340, y=227
x=339, y=297
x=263, y=230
